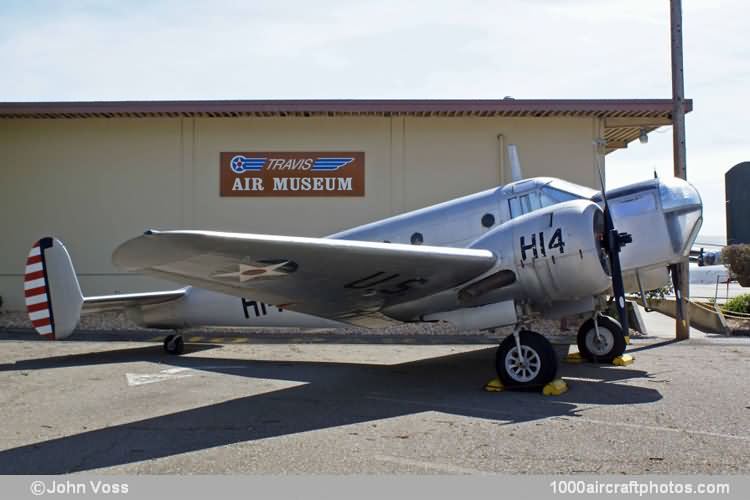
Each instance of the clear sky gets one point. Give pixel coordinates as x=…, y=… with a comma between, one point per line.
x=137, y=49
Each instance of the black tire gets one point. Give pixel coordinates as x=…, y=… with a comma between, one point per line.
x=538, y=374
x=167, y=340
x=598, y=352
x=173, y=344
x=179, y=345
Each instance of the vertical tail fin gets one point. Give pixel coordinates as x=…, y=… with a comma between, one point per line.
x=53, y=296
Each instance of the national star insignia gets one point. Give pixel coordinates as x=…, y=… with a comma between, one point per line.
x=247, y=272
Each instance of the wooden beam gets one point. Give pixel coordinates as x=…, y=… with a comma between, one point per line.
x=639, y=122
x=617, y=144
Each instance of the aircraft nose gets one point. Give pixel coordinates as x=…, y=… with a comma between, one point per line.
x=683, y=210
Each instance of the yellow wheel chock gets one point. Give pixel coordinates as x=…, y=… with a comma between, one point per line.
x=555, y=388
x=624, y=360
x=494, y=385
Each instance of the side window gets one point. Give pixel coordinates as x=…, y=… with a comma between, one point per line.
x=635, y=205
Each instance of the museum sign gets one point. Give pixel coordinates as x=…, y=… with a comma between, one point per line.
x=292, y=173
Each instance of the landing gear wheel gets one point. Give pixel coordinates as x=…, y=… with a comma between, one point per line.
x=607, y=346
x=173, y=344
x=533, y=367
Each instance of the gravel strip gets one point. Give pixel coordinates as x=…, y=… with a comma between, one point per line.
x=114, y=321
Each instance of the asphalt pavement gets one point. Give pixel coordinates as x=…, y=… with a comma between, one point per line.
x=322, y=404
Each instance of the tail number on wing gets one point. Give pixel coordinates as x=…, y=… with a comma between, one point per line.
x=536, y=244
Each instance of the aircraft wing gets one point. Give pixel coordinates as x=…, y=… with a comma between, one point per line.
x=345, y=280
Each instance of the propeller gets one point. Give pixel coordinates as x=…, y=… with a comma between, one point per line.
x=613, y=243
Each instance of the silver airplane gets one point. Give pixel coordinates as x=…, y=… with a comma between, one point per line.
x=535, y=248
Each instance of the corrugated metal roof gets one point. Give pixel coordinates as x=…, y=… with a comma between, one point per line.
x=624, y=117
x=385, y=107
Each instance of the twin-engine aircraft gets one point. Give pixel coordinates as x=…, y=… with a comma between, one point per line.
x=535, y=248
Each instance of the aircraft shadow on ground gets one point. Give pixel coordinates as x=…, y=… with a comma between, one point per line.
x=332, y=395
x=655, y=345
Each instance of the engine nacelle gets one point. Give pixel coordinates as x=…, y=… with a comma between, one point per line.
x=554, y=253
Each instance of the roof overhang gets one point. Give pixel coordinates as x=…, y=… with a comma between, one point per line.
x=624, y=119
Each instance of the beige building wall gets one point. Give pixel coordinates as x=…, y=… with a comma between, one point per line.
x=94, y=183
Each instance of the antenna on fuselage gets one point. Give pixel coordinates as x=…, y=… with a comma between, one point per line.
x=515, y=164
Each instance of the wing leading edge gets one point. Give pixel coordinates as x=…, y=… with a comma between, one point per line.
x=346, y=280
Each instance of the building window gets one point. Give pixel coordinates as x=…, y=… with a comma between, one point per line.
x=416, y=239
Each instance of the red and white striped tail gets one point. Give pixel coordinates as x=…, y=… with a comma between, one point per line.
x=37, y=292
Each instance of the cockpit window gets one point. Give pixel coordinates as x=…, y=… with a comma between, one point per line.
x=553, y=196
x=524, y=204
x=575, y=190
x=530, y=202
x=551, y=193
x=515, y=207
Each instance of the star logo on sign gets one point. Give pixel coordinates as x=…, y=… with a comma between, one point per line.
x=248, y=272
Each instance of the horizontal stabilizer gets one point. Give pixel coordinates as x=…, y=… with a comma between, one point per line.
x=119, y=302
x=54, y=301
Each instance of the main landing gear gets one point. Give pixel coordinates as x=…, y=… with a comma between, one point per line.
x=526, y=360
x=601, y=339
x=173, y=344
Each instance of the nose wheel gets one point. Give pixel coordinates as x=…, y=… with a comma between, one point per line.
x=601, y=339
x=526, y=360
x=173, y=344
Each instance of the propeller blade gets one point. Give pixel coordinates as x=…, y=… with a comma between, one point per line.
x=614, y=241
x=604, y=193
x=618, y=285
